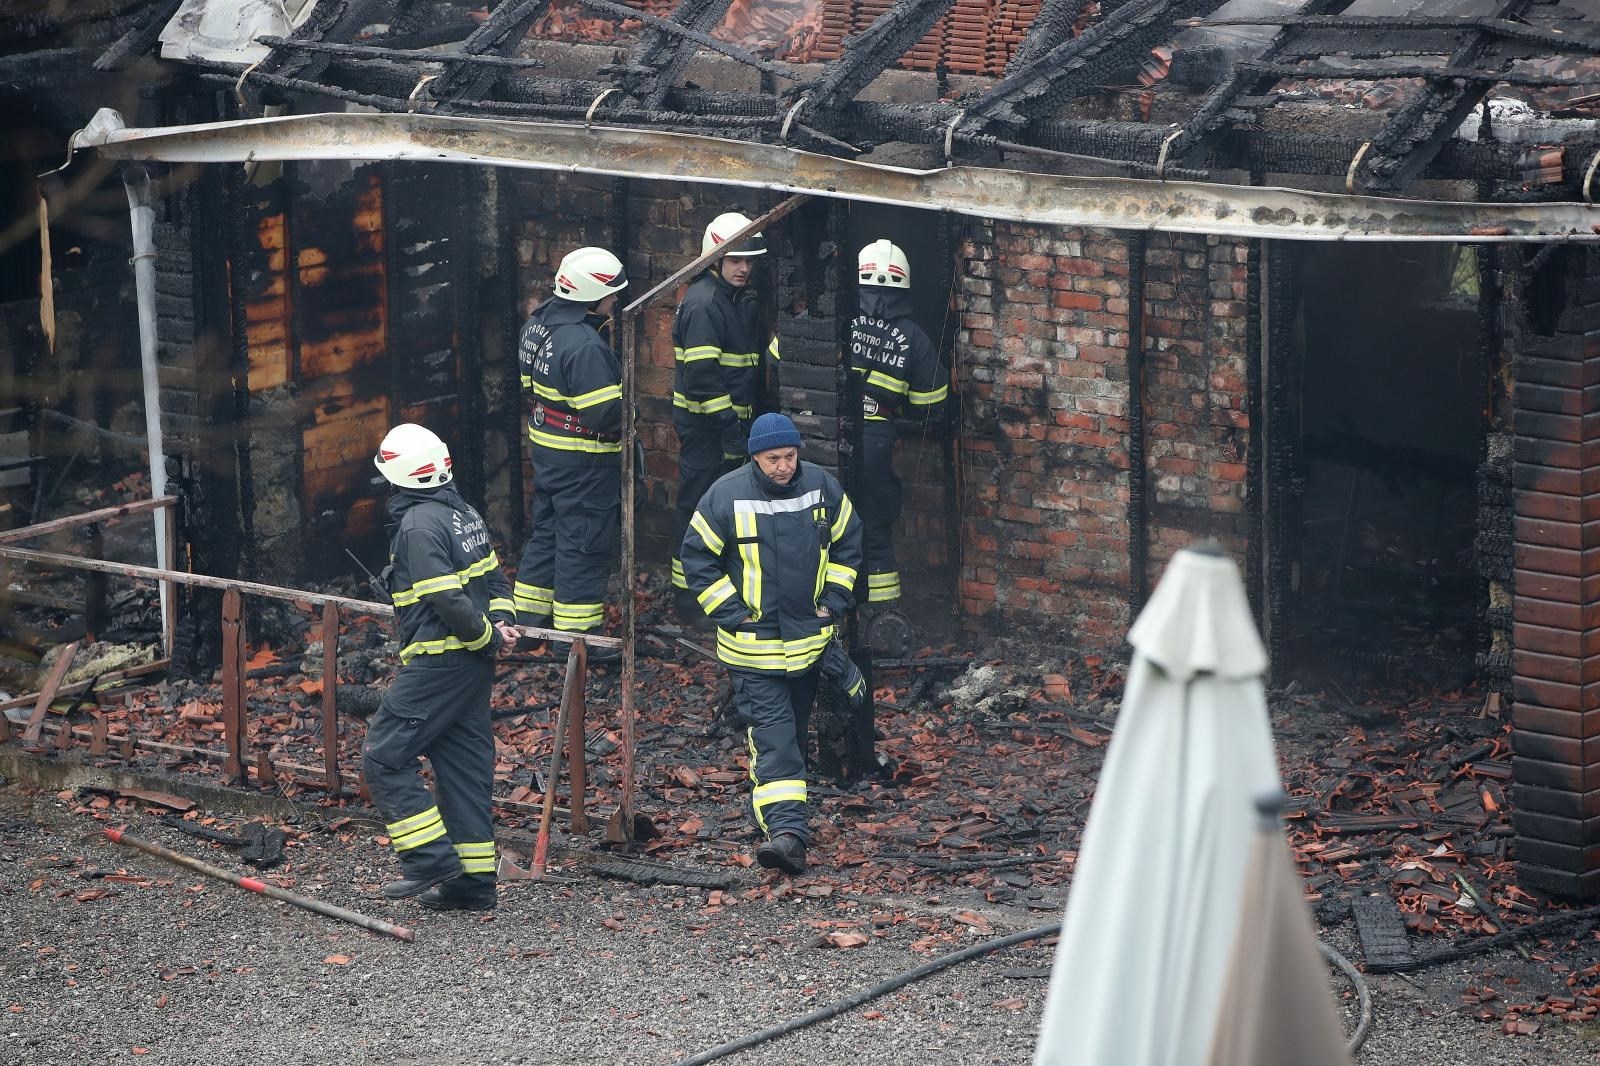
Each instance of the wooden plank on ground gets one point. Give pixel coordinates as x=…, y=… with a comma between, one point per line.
x=47, y=694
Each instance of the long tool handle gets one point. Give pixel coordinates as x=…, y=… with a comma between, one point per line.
x=250, y=884
x=541, y=844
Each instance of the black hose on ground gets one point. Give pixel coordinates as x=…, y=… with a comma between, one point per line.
x=944, y=962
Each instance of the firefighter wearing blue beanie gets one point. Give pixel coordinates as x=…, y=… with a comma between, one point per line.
x=772, y=431
x=771, y=555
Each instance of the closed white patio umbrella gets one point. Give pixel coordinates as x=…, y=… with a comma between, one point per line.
x=1167, y=903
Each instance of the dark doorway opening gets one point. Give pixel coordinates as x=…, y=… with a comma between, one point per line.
x=1376, y=412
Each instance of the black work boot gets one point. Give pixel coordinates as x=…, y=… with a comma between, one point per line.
x=416, y=886
x=469, y=892
x=786, y=852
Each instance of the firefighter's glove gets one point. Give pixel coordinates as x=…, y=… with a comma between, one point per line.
x=839, y=668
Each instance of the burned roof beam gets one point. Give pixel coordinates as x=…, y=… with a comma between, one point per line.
x=417, y=55
x=1497, y=27
x=1416, y=131
x=331, y=20
x=656, y=63
x=1051, y=26
x=499, y=35
x=866, y=55
x=1209, y=121
x=137, y=42
x=1283, y=71
x=1074, y=67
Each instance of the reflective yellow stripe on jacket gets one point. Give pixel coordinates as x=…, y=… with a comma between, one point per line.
x=450, y=643
x=773, y=654
x=459, y=579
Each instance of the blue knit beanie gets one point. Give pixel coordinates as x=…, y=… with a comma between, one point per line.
x=773, y=431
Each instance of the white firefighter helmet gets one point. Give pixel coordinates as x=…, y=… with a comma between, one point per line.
x=883, y=263
x=413, y=457
x=590, y=274
x=726, y=225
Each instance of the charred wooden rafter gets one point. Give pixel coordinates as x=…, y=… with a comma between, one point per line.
x=1051, y=26
x=1419, y=128
x=499, y=35
x=330, y=20
x=1547, y=40
x=866, y=55
x=659, y=59
x=137, y=42
x=1074, y=67
x=1211, y=119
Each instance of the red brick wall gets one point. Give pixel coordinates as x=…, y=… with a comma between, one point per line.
x=1042, y=364
x=1197, y=429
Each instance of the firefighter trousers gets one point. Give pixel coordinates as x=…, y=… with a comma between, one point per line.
x=701, y=461
x=879, y=501
x=776, y=710
x=437, y=706
x=577, y=513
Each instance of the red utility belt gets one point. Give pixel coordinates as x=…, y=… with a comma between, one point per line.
x=547, y=417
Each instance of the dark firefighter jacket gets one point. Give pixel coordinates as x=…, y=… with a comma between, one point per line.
x=576, y=383
x=761, y=558
x=716, y=346
x=901, y=373
x=444, y=577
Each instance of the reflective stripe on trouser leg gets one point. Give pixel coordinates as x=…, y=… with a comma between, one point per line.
x=883, y=588
x=463, y=770
x=477, y=857
x=587, y=525
x=700, y=463
x=534, y=587
x=777, y=765
x=533, y=603
x=879, y=505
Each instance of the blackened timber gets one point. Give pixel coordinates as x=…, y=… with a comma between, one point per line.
x=1414, y=133
x=659, y=59
x=1051, y=26
x=137, y=42
x=499, y=35
x=869, y=52
x=1200, y=133
x=332, y=20
x=1386, y=24
x=1278, y=71
x=1074, y=67
x=685, y=34
x=419, y=55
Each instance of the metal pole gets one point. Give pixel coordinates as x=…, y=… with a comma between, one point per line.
x=142, y=219
x=250, y=884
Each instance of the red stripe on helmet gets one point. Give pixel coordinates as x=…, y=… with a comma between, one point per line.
x=387, y=456
x=423, y=470
x=604, y=279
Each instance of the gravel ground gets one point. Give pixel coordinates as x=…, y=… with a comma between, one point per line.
x=181, y=969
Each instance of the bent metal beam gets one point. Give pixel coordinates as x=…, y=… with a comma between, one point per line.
x=1055, y=199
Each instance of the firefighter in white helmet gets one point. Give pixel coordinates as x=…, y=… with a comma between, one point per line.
x=901, y=376
x=717, y=347
x=574, y=386
x=453, y=613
